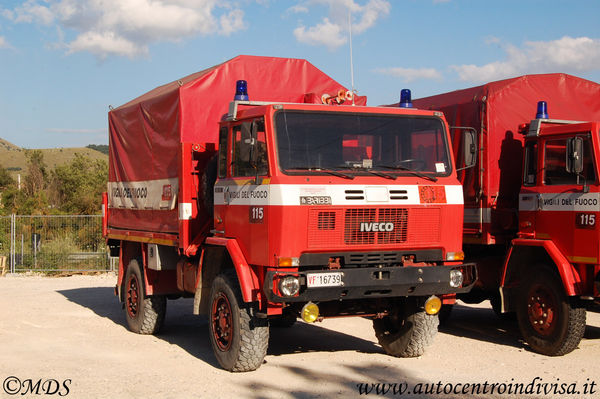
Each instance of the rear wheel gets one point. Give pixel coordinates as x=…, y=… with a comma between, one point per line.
x=239, y=340
x=407, y=331
x=144, y=314
x=551, y=322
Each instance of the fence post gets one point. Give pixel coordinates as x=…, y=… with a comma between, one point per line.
x=13, y=235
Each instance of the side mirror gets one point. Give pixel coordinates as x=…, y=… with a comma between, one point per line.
x=574, y=161
x=469, y=146
x=247, y=142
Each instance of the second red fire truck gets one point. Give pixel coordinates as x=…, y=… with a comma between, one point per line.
x=532, y=203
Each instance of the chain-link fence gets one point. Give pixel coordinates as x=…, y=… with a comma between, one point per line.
x=56, y=243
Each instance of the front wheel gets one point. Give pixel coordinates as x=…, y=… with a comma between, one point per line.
x=239, y=340
x=551, y=322
x=407, y=331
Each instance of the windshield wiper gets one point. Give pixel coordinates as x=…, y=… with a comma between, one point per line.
x=330, y=171
x=404, y=169
x=368, y=170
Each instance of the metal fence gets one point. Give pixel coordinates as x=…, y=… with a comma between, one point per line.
x=55, y=243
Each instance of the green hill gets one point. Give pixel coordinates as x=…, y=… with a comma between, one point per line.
x=14, y=159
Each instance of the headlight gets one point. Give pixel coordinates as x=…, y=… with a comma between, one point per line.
x=289, y=286
x=456, y=278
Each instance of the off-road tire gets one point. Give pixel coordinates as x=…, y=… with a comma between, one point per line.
x=558, y=332
x=407, y=331
x=241, y=346
x=144, y=314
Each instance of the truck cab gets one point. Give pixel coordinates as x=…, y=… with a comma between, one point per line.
x=553, y=267
x=340, y=211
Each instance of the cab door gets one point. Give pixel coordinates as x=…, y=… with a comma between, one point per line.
x=242, y=189
x=569, y=200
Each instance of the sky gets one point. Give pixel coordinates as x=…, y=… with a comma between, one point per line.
x=64, y=62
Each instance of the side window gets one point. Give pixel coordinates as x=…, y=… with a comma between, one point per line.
x=223, y=153
x=530, y=168
x=249, y=149
x=261, y=159
x=555, y=155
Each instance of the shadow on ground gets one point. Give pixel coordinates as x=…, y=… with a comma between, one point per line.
x=190, y=332
x=483, y=324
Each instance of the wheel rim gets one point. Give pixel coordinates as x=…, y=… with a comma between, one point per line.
x=222, y=322
x=542, y=309
x=133, y=296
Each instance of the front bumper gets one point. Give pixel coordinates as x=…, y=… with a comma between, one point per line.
x=373, y=282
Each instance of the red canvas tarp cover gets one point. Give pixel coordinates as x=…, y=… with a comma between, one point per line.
x=496, y=110
x=513, y=101
x=147, y=132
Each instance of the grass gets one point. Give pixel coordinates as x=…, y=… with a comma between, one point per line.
x=13, y=157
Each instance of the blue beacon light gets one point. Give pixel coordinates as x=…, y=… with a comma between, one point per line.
x=542, y=110
x=405, y=100
x=241, y=91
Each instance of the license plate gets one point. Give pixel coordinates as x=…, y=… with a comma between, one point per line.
x=324, y=279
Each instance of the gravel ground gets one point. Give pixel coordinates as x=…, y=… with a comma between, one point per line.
x=70, y=333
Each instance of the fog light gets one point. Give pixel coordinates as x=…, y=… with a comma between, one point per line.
x=310, y=312
x=456, y=278
x=433, y=305
x=289, y=286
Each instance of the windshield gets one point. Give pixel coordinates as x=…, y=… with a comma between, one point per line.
x=360, y=143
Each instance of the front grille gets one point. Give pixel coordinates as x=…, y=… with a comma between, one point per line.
x=326, y=221
x=375, y=226
x=352, y=230
x=333, y=227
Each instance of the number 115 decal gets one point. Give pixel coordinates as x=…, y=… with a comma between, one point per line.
x=585, y=221
x=257, y=214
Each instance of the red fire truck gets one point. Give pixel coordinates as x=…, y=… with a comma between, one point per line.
x=301, y=203
x=532, y=202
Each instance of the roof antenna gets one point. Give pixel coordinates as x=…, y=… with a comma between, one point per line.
x=351, y=59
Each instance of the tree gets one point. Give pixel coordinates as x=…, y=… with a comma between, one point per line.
x=36, y=179
x=77, y=186
x=6, y=179
x=103, y=148
x=6, y=182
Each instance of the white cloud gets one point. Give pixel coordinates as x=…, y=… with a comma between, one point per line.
x=332, y=31
x=4, y=43
x=568, y=54
x=232, y=22
x=128, y=27
x=298, y=9
x=104, y=43
x=408, y=75
x=31, y=11
x=325, y=33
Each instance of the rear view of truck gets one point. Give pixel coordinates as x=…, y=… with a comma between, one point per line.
x=293, y=201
